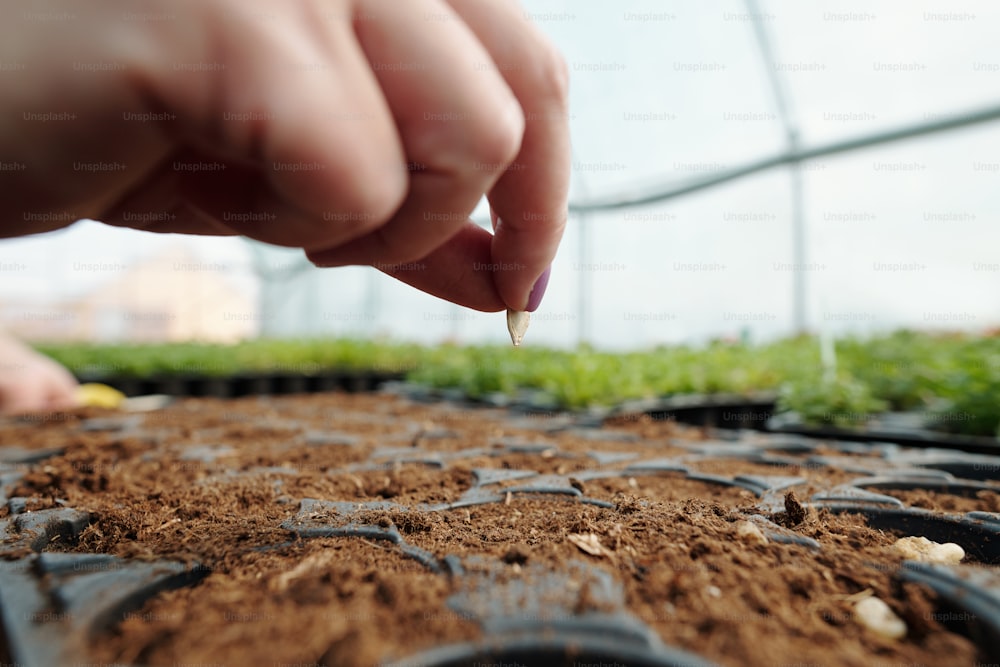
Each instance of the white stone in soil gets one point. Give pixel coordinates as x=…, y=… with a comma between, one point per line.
x=878, y=617
x=924, y=550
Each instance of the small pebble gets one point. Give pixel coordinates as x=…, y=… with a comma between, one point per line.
x=924, y=550
x=878, y=617
x=750, y=532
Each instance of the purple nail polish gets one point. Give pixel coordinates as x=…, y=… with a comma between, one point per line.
x=538, y=291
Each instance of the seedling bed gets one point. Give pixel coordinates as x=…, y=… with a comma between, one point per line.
x=364, y=529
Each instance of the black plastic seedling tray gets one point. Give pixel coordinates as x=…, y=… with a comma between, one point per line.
x=912, y=437
x=234, y=386
x=726, y=412
x=756, y=412
x=54, y=605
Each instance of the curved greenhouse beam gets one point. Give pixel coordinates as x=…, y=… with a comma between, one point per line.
x=782, y=100
x=951, y=122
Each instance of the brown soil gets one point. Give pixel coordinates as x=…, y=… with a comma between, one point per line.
x=210, y=481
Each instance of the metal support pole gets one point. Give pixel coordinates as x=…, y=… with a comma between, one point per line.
x=782, y=101
x=799, y=305
x=583, y=282
x=372, y=304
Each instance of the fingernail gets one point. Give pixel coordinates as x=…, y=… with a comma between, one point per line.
x=538, y=291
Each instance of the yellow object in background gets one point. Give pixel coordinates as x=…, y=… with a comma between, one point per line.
x=94, y=394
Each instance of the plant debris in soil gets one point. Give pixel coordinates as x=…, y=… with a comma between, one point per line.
x=212, y=481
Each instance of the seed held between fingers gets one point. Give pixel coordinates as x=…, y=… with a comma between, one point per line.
x=517, y=325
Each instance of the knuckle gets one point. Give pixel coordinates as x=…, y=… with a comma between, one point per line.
x=498, y=140
x=373, y=193
x=550, y=76
x=474, y=149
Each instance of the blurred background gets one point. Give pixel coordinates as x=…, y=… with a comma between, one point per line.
x=742, y=170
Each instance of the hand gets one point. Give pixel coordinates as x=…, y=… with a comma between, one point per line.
x=363, y=131
x=30, y=382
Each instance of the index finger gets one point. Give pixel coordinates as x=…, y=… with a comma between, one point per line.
x=531, y=197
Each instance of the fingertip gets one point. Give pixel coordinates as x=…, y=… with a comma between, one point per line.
x=538, y=291
x=523, y=256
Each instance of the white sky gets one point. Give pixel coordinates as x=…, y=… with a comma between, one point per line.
x=930, y=203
